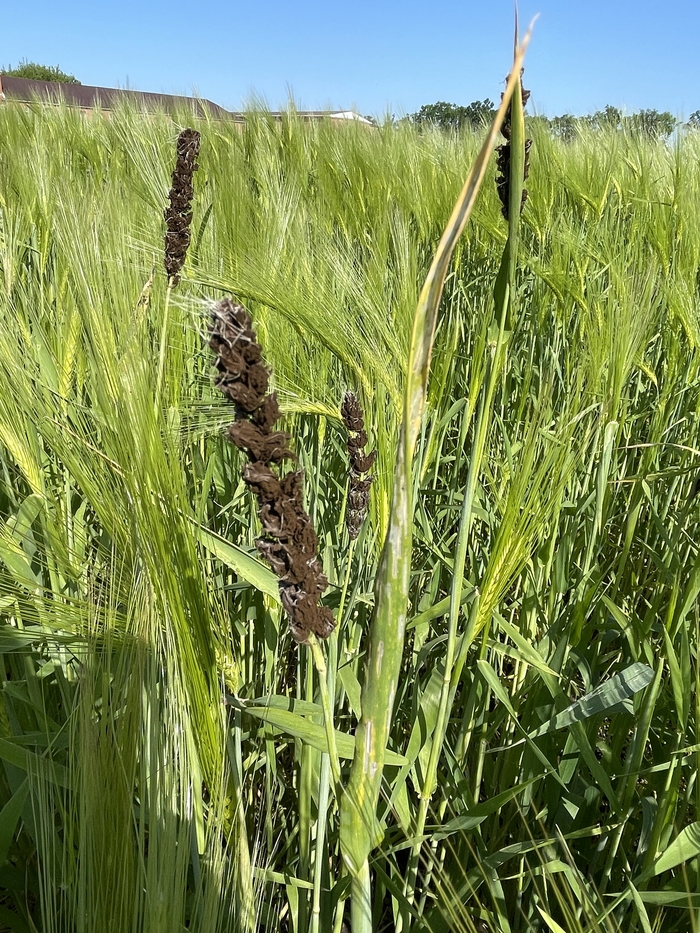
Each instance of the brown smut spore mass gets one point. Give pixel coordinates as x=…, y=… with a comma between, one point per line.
x=360, y=462
x=503, y=160
x=178, y=216
x=288, y=543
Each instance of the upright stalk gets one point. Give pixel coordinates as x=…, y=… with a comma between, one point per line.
x=322, y=670
x=324, y=785
x=504, y=292
x=355, y=511
x=163, y=343
x=360, y=830
x=178, y=219
x=327, y=769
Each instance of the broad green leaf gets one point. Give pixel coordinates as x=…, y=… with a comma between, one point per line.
x=517, y=849
x=351, y=684
x=681, y=694
x=26, y=515
x=551, y=923
x=13, y=922
x=685, y=899
x=311, y=733
x=12, y=536
x=25, y=450
x=620, y=687
x=241, y=562
x=603, y=470
x=687, y=750
x=424, y=724
x=292, y=892
x=685, y=846
x=19, y=639
x=421, y=732
x=267, y=874
x=641, y=909
x=304, y=707
x=476, y=815
x=9, y=817
x=440, y=608
x=33, y=764
x=401, y=807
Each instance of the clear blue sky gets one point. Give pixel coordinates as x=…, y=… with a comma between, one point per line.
x=374, y=55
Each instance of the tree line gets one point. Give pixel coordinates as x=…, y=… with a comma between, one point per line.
x=37, y=72
x=653, y=123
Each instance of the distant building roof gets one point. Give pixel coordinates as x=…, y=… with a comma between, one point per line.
x=350, y=115
x=25, y=90
x=322, y=114
x=102, y=98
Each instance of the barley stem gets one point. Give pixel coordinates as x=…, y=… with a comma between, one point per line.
x=163, y=346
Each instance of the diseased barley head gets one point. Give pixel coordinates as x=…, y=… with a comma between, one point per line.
x=178, y=216
x=503, y=158
x=288, y=542
x=360, y=463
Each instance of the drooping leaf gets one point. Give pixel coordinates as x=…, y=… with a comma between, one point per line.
x=619, y=688
x=9, y=818
x=241, y=562
x=476, y=815
x=685, y=846
x=311, y=733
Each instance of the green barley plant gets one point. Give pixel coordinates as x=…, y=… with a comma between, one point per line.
x=359, y=832
x=166, y=747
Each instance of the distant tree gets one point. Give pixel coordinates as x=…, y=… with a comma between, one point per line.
x=441, y=114
x=565, y=127
x=480, y=112
x=454, y=117
x=608, y=119
x=38, y=72
x=694, y=120
x=652, y=123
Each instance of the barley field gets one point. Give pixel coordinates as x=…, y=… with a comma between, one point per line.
x=501, y=733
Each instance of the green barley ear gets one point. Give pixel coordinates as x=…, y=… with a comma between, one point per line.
x=360, y=831
x=178, y=216
x=288, y=542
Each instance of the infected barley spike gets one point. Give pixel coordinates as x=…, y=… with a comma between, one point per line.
x=288, y=542
x=178, y=216
x=360, y=462
x=503, y=159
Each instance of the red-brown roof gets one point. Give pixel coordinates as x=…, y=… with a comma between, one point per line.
x=86, y=97
x=104, y=98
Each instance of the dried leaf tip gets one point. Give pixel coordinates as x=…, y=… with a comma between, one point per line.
x=503, y=158
x=288, y=542
x=178, y=216
x=360, y=463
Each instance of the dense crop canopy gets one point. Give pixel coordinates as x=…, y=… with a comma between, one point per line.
x=162, y=746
